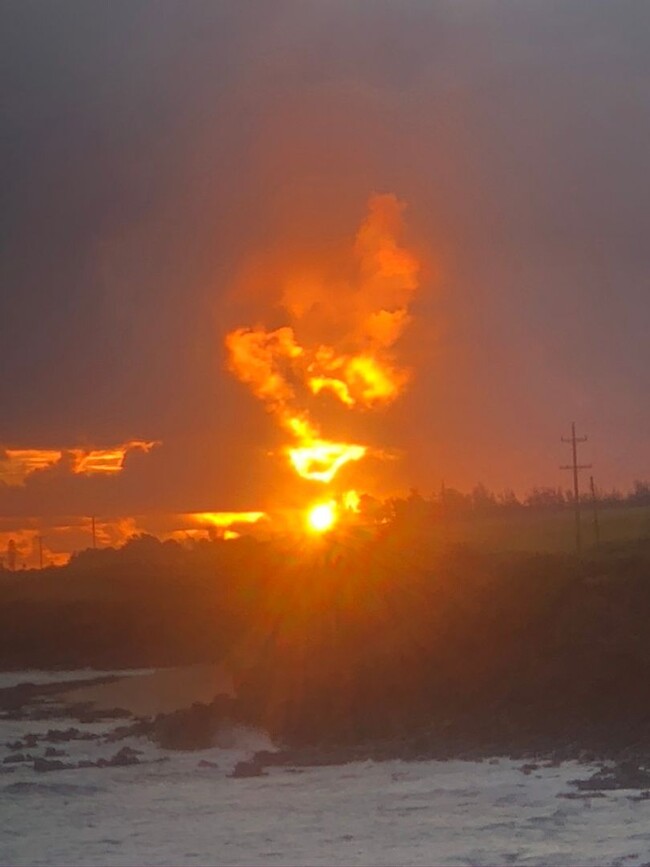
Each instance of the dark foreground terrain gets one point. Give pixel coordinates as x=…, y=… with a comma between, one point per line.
x=361, y=646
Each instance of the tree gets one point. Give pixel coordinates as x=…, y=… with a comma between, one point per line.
x=545, y=498
x=640, y=495
x=508, y=500
x=482, y=499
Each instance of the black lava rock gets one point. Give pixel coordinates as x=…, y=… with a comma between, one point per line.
x=247, y=769
x=44, y=765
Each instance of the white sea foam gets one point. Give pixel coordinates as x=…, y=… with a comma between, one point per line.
x=175, y=812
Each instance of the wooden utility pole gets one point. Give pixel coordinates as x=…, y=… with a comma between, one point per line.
x=576, y=467
x=594, y=504
x=444, y=515
x=11, y=555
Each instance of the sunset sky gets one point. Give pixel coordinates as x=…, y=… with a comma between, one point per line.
x=162, y=163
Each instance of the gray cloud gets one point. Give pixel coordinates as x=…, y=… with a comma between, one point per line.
x=151, y=148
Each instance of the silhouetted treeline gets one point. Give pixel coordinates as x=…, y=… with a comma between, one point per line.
x=480, y=500
x=372, y=632
x=146, y=603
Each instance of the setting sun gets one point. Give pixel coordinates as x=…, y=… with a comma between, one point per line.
x=321, y=518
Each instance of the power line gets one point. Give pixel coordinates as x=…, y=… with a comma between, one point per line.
x=576, y=467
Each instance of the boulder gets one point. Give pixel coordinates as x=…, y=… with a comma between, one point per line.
x=92, y=715
x=53, y=753
x=642, y=796
x=44, y=765
x=55, y=736
x=126, y=756
x=61, y=736
x=580, y=796
x=193, y=728
x=141, y=727
x=625, y=775
x=15, y=758
x=247, y=769
x=267, y=758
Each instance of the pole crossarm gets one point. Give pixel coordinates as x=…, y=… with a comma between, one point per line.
x=577, y=467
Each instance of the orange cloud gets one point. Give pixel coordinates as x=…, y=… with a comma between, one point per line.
x=226, y=519
x=106, y=460
x=340, y=339
x=17, y=464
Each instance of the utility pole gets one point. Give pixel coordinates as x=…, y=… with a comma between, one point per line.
x=92, y=522
x=444, y=515
x=594, y=504
x=576, y=467
x=11, y=555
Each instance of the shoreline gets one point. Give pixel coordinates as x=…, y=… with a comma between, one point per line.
x=186, y=724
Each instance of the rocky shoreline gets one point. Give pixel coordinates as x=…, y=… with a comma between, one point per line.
x=618, y=765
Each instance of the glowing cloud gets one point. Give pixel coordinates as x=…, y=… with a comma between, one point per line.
x=367, y=315
x=226, y=519
x=110, y=460
x=17, y=464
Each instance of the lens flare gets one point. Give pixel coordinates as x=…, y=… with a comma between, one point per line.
x=322, y=517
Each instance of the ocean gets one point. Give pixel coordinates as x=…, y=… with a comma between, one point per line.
x=184, y=809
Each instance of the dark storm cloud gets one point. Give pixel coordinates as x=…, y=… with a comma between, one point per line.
x=149, y=148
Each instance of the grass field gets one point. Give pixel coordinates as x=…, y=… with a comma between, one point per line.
x=550, y=531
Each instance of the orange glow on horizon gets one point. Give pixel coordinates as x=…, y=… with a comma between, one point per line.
x=61, y=536
x=231, y=534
